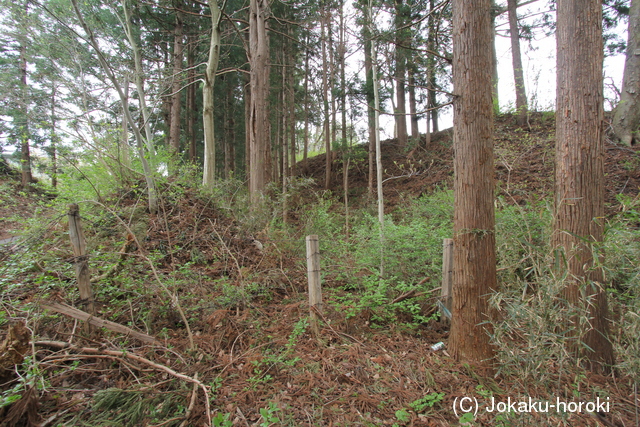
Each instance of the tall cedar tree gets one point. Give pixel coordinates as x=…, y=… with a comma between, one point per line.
x=579, y=187
x=258, y=127
x=474, y=264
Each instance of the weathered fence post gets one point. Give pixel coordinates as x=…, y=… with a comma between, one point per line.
x=447, y=277
x=81, y=260
x=313, y=273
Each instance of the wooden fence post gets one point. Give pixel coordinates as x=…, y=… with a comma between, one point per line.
x=447, y=277
x=313, y=274
x=83, y=276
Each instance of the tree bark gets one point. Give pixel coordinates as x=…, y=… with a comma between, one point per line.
x=376, y=109
x=229, y=132
x=191, y=98
x=342, y=51
x=325, y=91
x=494, y=60
x=368, y=67
x=139, y=78
x=431, y=68
x=247, y=125
x=415, y=133
x=401, y=71
x=209, y=174
x=54, y=139
x=305, y=152
x=516, y=57
x=23, y=127
x=626, y=118
x=579, y=199
x=176, y=102
x=292, y=112
x=259, y=133
x=474, y=264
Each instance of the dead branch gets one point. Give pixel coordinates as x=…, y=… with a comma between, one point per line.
x=121, y=355
x=96, y=321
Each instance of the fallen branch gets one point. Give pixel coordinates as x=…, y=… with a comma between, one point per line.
x=121, y=355
x=98, y=322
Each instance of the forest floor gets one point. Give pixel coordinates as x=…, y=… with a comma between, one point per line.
x=252, y=359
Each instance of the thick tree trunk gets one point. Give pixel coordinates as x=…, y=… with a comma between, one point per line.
x=176, y=101
x=259, y=133
x=518, y=72
x=579, y=224
x=474, y=264
x=208, y=119
x=626, y=118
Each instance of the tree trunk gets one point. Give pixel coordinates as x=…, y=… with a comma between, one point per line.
x=305, y=152
x=474, y=263
x=124, y=138
x=191, y=98
x=432, y=78
x=208, y=120
x=376, y=109
x=368, y=67
x=325, y=91
x=54, y=139
x=283, y=120
x=494, y=60
x=292, y=111
x=247, y=125
x=259, y=133
x=176, y=102
x=579, y=225
x=342, y=50
x=229, y=130
x=401, y=71
x=626, y=118
x=23, y=127
x=415, y=133
x=518, y=74
x=332, y=82
x=167, y=101
x=139, y=79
